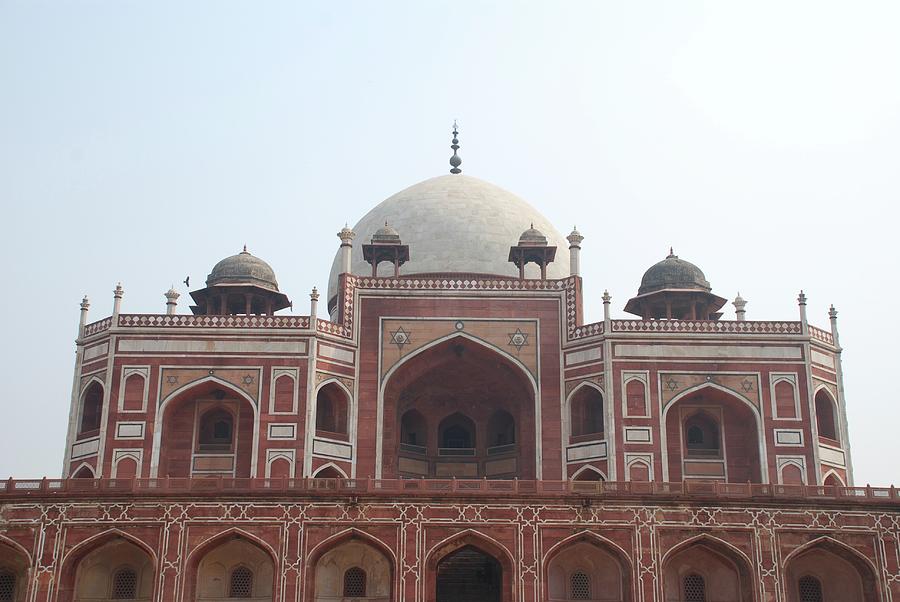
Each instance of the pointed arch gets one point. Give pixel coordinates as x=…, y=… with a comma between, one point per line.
x=334, y=542
x=159, y=419
x=83, y=466
x=832, y=545
x=864, y=567
x=585, y=469
x=754, y=410
x=827, y=415
x=332, y=466
x=72, y=559
x=729, y=555
x=626, y=566
x=17, y=548
x=567, y=409
x=462, y=335
x=93, y=379
x=517, y=371
x=833, y=474
x=481, y=542
x=195, y=558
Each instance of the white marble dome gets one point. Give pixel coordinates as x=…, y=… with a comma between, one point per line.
x=455, y=223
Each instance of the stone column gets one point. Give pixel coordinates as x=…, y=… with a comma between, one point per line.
x=575, y=239
x=832, y=316
x=607, y=322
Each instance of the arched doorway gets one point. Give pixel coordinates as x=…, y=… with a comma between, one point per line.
x=459, y=409
x=467, y=575
x=231, y=567
x=827, y=570
x=207, y=430
x=712, y=435
x=705, y=570
x=13, y=573
x=586, y=568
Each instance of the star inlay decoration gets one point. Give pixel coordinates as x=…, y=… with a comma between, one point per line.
x=400, y=338
x=671, y=384
x=747, y=385
x=248, y=379
x=172, y=379
x=518, y=339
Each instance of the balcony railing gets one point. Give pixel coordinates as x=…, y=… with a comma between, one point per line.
x=218, y=486
x=456, y=451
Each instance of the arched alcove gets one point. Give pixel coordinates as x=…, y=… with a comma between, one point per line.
x=353, y=570
x=706, y=567
x=469, y=397
x=586, y=567
x=91, y=410
x=841, y=573
x=826, y=417
x=14, y=565
x=111, y=566
x=332, y=411
x=712, y=435
x=207, y=429
x=231, y=566
x=586, y=413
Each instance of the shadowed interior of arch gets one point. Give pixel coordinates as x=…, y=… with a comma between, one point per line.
x=459, y=409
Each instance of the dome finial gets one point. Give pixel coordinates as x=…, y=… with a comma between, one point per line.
x=455, y=160
x=671, y=252
x=245, y=249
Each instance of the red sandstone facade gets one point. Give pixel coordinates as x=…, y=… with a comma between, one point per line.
x=452, y=436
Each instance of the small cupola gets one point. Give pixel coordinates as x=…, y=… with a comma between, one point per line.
x=675, y=289
x=240, y=284
x=386, y=245
x=532, y=248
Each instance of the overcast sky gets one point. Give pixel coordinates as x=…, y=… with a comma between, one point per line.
x=143, y=141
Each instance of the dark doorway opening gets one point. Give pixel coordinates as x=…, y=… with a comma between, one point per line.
x=469, y=575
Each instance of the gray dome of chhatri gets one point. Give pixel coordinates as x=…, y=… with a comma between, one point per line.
x=673, y=273
x=243, y=268
x=456, y=223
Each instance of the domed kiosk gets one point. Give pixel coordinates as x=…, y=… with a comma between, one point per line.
x=455, y=224
x=240, y=284
x=675, y=289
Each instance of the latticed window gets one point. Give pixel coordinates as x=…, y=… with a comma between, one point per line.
x=355, y=583
x=810, y=589
x=7, y=586
x=124, y=585
x=694, y=588
x=580, y=584
x=241, y=585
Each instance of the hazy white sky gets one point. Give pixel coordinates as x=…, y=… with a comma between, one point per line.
x=144, y=141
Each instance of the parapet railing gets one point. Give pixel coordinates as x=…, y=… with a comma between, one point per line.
x=212, y=321
x=216, y=486
x=708, y=326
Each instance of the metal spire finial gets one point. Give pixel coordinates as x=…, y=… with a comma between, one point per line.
x=455, y=160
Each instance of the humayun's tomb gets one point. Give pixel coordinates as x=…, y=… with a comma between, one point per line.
x=453, y=431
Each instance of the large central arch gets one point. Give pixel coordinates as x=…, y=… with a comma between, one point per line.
x=459, y=407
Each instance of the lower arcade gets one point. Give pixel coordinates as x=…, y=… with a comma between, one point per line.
x=324, y=540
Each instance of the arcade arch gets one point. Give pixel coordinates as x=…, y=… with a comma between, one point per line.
x=110, y=566
x=826, y=417
x=586, y=567
x=469, y=566
x=231, y=566
x=352, y=568
x=14, y=565
x=830, y=569
x=459, y=408
x=705, y=568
